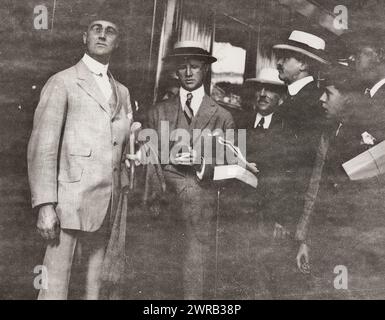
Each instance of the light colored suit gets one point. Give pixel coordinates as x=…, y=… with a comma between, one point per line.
x=76, y=147
x=75, y=156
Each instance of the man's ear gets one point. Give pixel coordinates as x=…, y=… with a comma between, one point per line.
x=304, y=66
x=84, y=37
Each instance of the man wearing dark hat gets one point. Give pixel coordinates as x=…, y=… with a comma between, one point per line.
x=80, y=130
x=193, y=208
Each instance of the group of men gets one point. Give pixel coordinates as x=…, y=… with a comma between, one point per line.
x=295, y=141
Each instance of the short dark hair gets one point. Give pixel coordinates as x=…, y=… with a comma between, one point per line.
x=341, y=77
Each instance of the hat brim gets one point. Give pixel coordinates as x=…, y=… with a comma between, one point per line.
x=257, y=80
x=300, y=50
x=207, y=58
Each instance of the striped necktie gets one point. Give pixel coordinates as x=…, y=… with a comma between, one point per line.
x=188, y=111
x=260, y=124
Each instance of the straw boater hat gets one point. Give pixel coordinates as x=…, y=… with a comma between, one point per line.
x=190, y=49
x=268, y=76
x=305, y=43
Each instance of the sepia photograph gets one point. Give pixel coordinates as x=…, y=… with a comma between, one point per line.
x=192, y=150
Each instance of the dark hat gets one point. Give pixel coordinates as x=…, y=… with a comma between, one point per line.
x=190, y=49
x=305, y=43
x=111, y=11
x=341, y=76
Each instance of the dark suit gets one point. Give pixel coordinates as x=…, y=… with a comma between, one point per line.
x=351, y=212
x=193, y=201
x=254, y=212
x=304, y=118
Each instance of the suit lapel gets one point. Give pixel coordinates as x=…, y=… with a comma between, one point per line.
x=89, y=85
x=205, y=112
x=118, y=96
x=171, y=112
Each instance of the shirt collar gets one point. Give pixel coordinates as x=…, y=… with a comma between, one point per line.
x=296, y=86
x=376, y=87
x=267, y=122
x=95, y=66
x=197, y=93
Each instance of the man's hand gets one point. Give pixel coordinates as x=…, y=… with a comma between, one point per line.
x=48, y=225
x=137, y=158
x=280, y=232
x=187, y=158
x=303, y=258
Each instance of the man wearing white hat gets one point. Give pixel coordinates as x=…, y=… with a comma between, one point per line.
x=254, y=210
x=299, y=61
x=193, y=208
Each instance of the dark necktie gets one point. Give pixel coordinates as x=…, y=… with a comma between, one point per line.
x=261, y=123
x=188, y=111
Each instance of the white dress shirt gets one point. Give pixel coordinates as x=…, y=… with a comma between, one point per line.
x=267, y=122
x=296, y=86
x=376, y=87
x=99, y=71
x=197, y=98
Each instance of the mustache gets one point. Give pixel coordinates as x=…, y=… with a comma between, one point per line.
x=263, y=99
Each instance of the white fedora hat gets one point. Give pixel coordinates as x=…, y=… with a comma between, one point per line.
x=269, y=76
x=306, y=43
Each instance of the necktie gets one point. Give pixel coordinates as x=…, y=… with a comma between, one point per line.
x=188, y=111
x=261, y=123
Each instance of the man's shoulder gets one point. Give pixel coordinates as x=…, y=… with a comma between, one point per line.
x=65, y=74
x=310, y=91
x=221, y=111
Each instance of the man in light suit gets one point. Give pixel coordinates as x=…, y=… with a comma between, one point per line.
x=81, y=126
x=194, y=200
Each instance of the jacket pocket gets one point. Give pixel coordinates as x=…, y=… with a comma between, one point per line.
x=80, y=151
x=72, y=174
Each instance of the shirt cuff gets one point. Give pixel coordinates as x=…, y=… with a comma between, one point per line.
x=201, y=172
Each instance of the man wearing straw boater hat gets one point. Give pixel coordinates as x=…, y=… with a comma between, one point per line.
x=81, y=126
x=299, y=62
x=266, y=137
x=193, y=208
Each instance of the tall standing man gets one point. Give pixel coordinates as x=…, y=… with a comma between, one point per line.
x=80, y=129
x=194, y=205
x=300, y=60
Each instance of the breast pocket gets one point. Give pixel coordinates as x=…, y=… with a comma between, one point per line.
x=80, y=151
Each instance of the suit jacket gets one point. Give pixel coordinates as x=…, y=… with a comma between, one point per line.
x=342, y=199
x=304, y=118
x=76, y=147
x=267, y=148
x=210, y=116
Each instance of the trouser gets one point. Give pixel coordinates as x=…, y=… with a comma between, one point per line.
x=193, y=214
x=58, y=262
